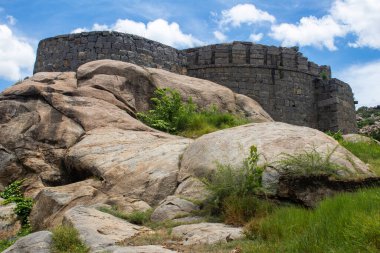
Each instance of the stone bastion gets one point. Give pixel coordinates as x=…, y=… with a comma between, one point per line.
x=288, y=86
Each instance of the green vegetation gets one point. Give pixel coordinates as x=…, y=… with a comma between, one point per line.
x=13, y=193
x=170, y=114
x=367, y=152
x=323, y=75
x=370, y=116
x=234, y=191
x=66, y=240
x=310, y=163
x=136, y=217
x=349, y=222
x=336, y=135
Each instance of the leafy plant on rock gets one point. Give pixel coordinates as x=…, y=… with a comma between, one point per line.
x=171, y=114
x=234, y=190
x=13, y=193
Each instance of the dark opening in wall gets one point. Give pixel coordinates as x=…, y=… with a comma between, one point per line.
x=229, y=53
x=265, y=56
x=213, y=56
x=248, y=54
x=196, y=60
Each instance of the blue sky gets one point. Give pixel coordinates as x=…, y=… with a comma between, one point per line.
x=344, y=34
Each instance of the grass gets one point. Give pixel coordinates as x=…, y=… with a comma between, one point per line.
x=349, y=222
x=367, y=152
x=171, y=114
x=346, y=223
x=158, y=237
x=136, y=217
x=310, y=163
x=66, y=240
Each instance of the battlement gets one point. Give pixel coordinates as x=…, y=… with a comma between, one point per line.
x=241, y=54
x=288, y=86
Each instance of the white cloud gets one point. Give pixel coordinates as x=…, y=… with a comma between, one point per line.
x=79, y=30
x=16, y=55
x=256, y=37
x=221, y=37
x=310, y=31
x=365, y=82
x=244, y=14
x=363, y=19
x=358, y=17
x=11, y=20
x=159, y=30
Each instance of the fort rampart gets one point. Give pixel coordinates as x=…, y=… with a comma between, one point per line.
x=288, y=86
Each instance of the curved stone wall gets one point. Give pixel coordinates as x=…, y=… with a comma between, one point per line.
x=288, y=86
x=68, y=52
x=280, y=79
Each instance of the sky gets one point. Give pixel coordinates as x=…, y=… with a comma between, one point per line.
x=344, y=34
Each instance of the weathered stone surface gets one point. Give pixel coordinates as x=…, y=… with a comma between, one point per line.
x=192, y=188
x=100, y=230
x=33, y=135
x=127, y=205
x=207, y=233
x=136, y=85
x=137, y=164
x=9, y=224
x=358, y=138
x=173, y=207
x=38, y=242
x=272, y=140
x=137, y=249
x=52, y=202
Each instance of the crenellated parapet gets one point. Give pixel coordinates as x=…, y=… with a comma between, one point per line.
x=249, y=54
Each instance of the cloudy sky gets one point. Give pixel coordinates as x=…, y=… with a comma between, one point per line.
x=342, y=33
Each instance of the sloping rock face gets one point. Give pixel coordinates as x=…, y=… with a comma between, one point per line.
x=9, y=224
x=207, y=233
x=134, y=85
x=39, y=242
x=98, y=229
x=59, y=129
x=273, y=140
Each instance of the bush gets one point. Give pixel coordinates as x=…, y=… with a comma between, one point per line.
x=336, y=135
x=170, y=114
x=66, y=239
x=310, y=163
x=13, y=193
x=233, y=190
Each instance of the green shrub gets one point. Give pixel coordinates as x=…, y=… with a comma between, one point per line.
x=336, y=135
x=66, y=240
x=13, y=193
x=240, y=184
x=238, y=210
x=310, y=163
x=170, y=114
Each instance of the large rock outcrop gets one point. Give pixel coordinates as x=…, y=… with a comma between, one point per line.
x=273, y=140
x=75, y=138
x=57, y=129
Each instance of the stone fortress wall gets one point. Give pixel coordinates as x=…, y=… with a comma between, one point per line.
x=288, y=86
